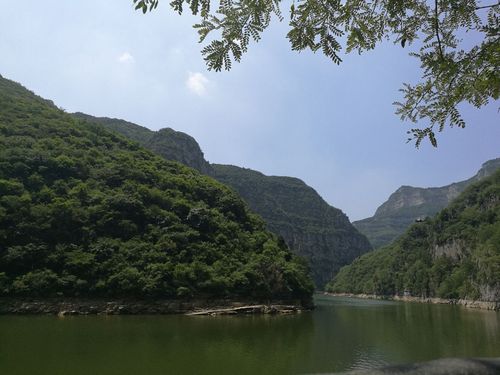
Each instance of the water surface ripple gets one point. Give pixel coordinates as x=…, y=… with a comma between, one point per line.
x=341, y=334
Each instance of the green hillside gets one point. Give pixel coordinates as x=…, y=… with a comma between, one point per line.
x=454, y=255
x=85, y=212
x=409, y=203
x=168, y=143
x=312, y=228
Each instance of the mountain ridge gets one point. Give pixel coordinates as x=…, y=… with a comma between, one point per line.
x=327, y=244
x=454, y=255
x=310, y=226
x=408, y=204
x=86, y=212
x=166, y=142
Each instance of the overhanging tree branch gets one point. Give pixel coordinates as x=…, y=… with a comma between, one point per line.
x=451, y=75
x=488, y=6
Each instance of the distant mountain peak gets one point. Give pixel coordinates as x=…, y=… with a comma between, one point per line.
x=409, y=203
x=453, y=255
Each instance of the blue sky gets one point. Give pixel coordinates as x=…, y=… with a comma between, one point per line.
x=279, y=112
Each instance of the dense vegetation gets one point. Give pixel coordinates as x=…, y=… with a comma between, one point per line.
x=311, y=227
x=454, y=255
x=168, y=143
x=85, y=212
x=408, y=204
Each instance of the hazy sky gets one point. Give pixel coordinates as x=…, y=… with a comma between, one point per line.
x=279, y=112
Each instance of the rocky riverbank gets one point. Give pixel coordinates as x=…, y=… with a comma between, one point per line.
x=485, y=305
x=63, y=307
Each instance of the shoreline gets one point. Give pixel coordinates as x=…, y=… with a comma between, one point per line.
x=482, y=305
x=83, y=306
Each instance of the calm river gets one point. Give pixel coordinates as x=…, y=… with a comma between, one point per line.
x=340, y=334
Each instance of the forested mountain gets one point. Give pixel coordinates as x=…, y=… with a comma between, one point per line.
x=86, y=212
x=311, y=228
x=166, y=142
x=456, y=254
x=408, y=204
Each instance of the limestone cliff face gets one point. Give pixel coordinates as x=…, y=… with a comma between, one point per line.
x=454, y=255
x=408, y=204
x=313, y=229
x=291, y=209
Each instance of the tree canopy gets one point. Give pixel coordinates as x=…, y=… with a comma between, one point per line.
x=454, y=71
x=456, y=254
x=85, y=212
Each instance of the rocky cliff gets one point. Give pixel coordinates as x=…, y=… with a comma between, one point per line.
x=310, y=226
x=408, y=204
x=291, y=209
x=454, y=255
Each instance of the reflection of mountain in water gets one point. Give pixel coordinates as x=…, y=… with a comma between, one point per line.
x=365, y=333
x=341, y=334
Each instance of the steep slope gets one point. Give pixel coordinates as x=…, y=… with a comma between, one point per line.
x=168, y=143
x=454, y=255
x=408, y=204
x=313, y=229
x=85, y=212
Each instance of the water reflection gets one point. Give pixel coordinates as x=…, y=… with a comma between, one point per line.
x=340, y=334
x=392, y=332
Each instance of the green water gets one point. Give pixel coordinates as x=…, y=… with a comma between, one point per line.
x=340, y=334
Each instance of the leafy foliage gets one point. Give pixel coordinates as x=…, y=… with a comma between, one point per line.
x=454, y=255
x=452, y=73
x=320, y=233
x=85, y=212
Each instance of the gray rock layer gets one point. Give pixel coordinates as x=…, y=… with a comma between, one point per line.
x=408, y=204
x=75, y=306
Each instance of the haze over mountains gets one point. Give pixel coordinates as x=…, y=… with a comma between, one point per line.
x=310, y=226
x=408, y=204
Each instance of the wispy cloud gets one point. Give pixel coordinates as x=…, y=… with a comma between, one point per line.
x=197, y=83
x=126, y=58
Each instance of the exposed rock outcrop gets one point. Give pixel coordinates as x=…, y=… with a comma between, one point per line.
x=453, y=256
x=408, y=204
x=472, y=304
x=311, y=227
x=76, y=306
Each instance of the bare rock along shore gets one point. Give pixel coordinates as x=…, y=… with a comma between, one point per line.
x=485, y=305
x=63, y=307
